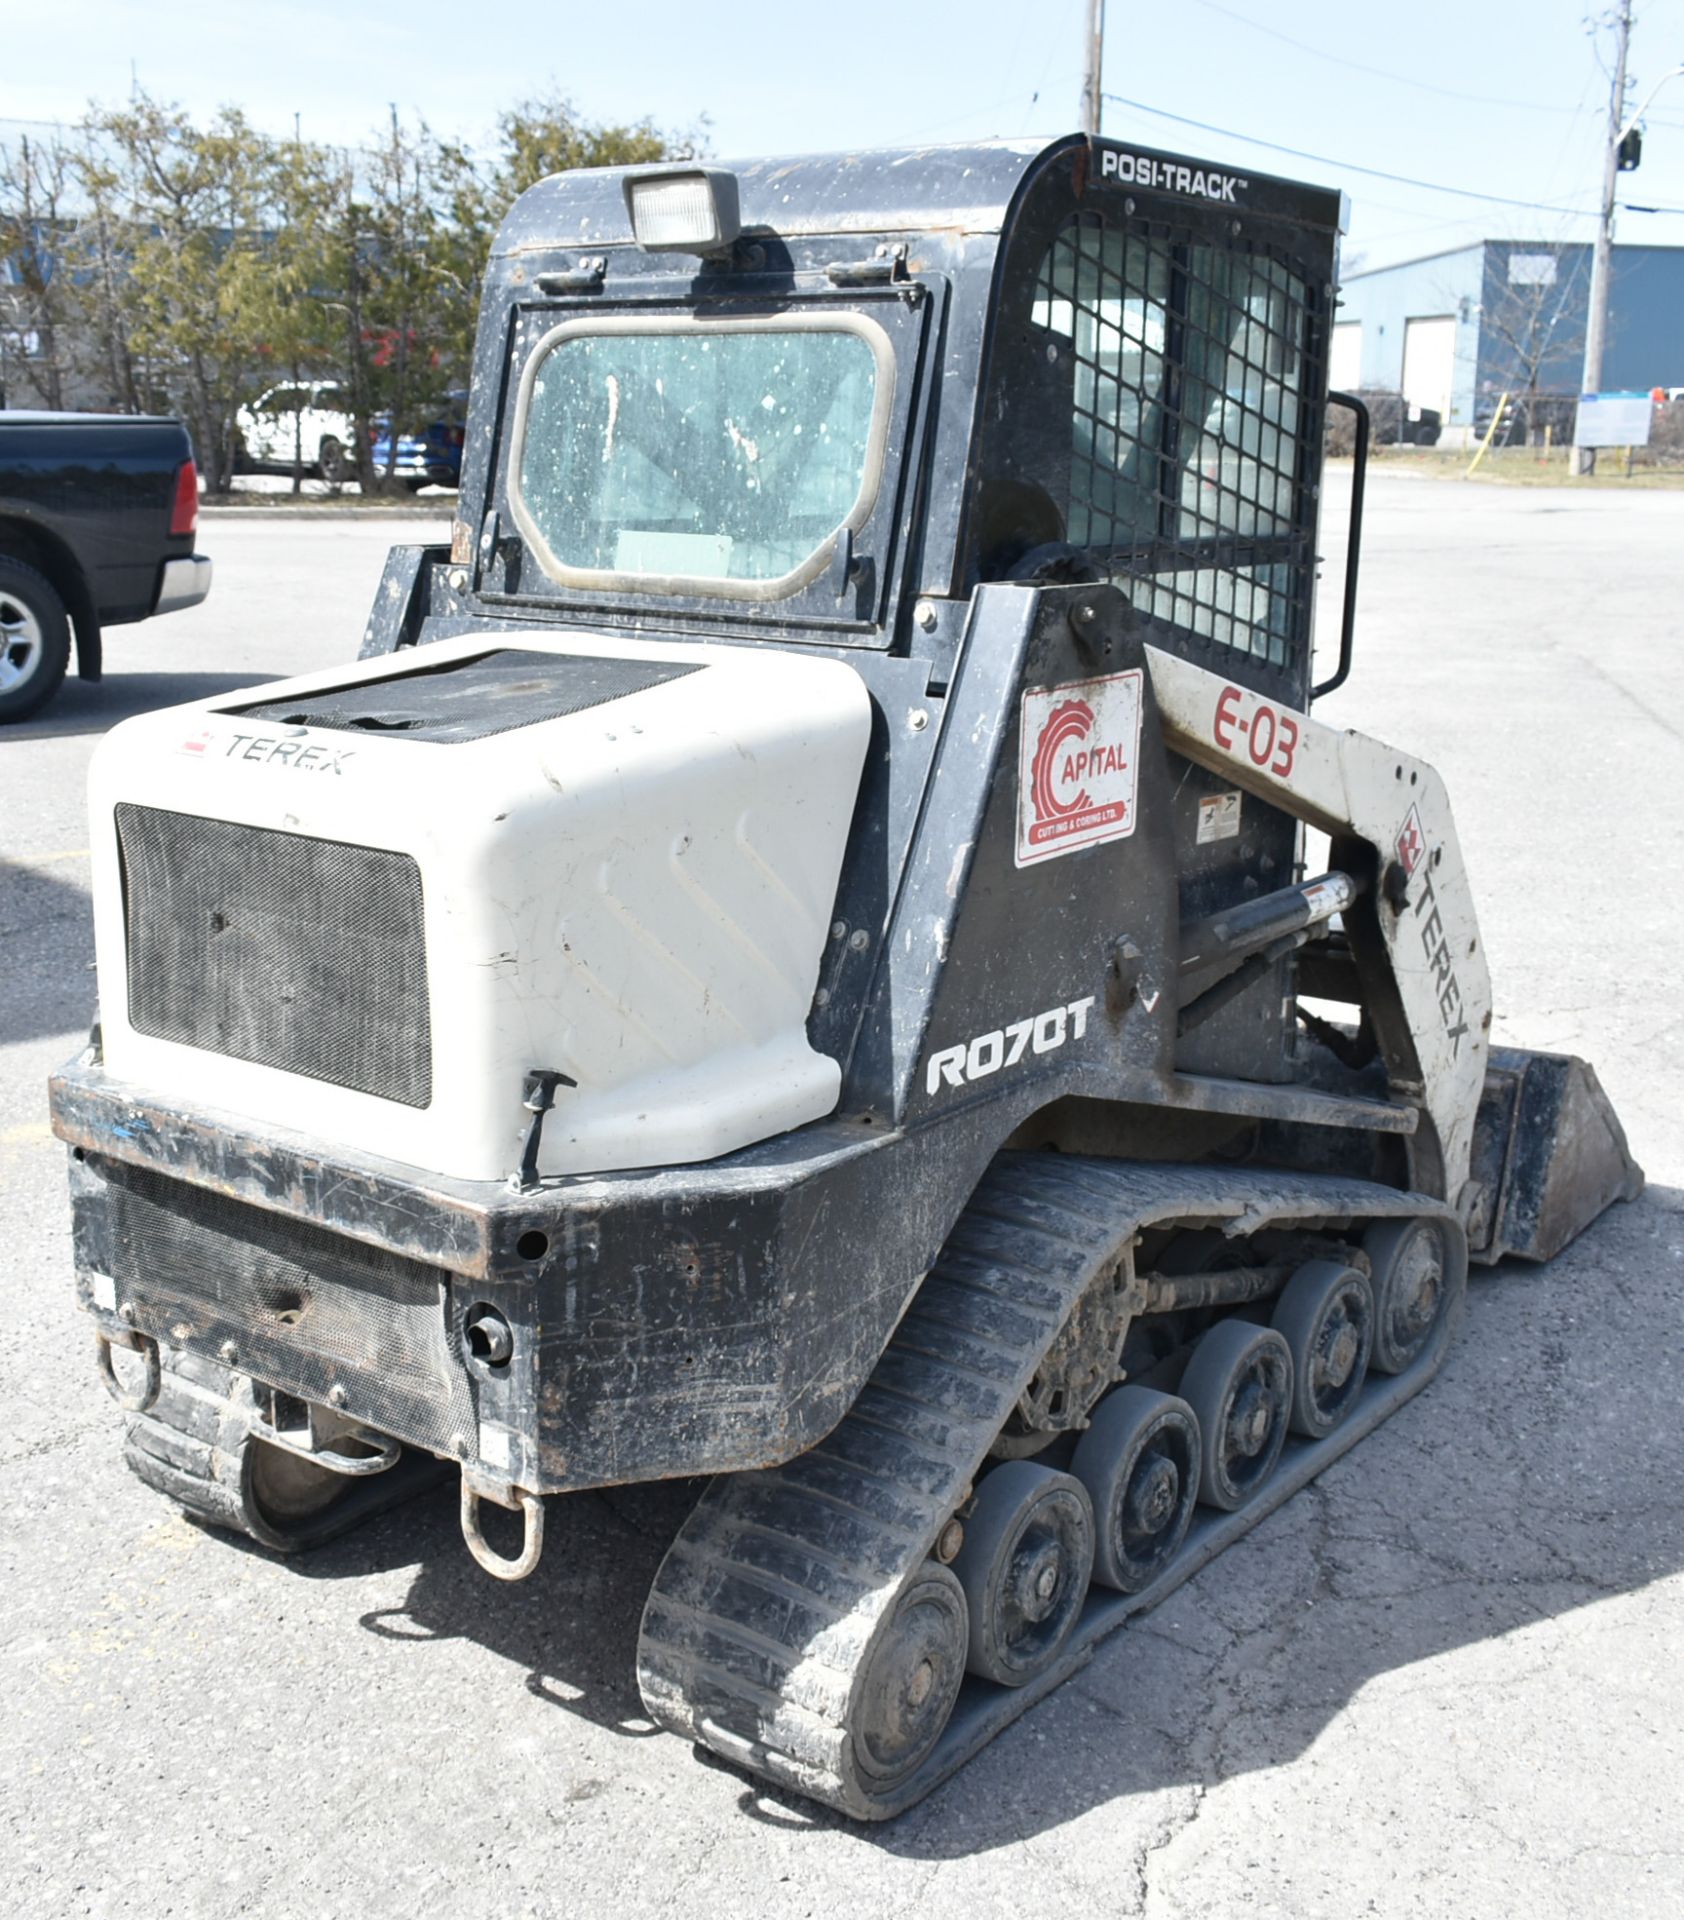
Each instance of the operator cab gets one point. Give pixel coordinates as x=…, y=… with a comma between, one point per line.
x=809, y=395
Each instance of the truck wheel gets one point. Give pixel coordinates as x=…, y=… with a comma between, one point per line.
x=331, y=459
x=34, y=640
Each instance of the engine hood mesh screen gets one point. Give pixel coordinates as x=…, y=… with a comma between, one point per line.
x=461, y=700
x=291, y=952
x=308, y=1309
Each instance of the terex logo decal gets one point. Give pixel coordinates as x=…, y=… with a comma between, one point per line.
x=306, y=757
x=1005, y=1047
x=1172, y=176
x=1077, y=765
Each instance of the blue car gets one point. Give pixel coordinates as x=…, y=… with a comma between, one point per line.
x=431, y=456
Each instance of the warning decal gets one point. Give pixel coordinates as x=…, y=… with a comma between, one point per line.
x=1219, y=817
x=1078, y=765
x=1411, y=841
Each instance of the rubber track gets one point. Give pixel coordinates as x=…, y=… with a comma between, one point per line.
x=193, y=1445
x=765, y=1605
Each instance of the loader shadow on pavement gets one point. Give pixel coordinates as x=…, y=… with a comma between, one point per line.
x=1531, y=1479
x=82, y=706
x=572, y=1625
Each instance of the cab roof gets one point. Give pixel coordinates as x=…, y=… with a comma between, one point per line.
x=966, y=189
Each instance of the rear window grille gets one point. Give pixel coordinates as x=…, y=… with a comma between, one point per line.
x=287, y=951
x=1195, y=378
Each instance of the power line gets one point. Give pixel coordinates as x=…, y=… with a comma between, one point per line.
x=1378, y=73
x=1349, y=166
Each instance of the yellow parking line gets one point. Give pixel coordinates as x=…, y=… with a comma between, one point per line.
x=32, y=1133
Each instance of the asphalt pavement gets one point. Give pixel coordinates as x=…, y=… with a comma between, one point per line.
x=1442, y=1681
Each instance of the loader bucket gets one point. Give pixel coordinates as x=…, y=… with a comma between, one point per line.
x=1550, y=1153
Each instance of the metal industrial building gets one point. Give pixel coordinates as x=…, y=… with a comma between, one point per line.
x=1454, y=330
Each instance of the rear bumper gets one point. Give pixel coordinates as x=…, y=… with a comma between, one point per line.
x=696, y=1320
x=185, y=583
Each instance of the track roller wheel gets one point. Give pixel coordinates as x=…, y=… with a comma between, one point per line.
x=1024, y=1568
x=1139, y=1460
x=1416, y=1272
x=1239, y=1386
x=1326, y=1317
x=910, y=1678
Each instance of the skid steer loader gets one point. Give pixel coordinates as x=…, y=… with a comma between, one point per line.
x=793, y=956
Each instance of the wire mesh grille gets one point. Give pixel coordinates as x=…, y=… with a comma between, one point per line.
x=308, y=1310
x=291, y=952
x=1195, y=367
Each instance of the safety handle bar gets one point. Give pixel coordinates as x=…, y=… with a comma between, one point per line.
x=1353, y=543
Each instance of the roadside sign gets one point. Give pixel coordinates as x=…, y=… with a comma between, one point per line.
x=1613, y=420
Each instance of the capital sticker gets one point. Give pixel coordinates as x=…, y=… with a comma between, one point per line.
x=1078, y=765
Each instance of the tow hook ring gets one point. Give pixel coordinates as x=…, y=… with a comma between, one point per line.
x=532, y=1542
x=128, y=1398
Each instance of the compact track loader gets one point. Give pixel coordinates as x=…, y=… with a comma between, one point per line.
x=794, y=956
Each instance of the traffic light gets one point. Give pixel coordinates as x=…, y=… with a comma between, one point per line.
x=1631, y=150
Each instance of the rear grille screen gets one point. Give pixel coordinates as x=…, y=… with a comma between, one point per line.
x=308, y=1309
x=462, y=700
x=290, y=952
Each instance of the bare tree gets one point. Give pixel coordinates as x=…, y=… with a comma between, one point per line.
x=40, y=299
x=170, y=264
x=1535, y=316
x=178, y=205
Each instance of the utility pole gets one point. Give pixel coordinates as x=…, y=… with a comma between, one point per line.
x=1596, y=330
x=1091, y=69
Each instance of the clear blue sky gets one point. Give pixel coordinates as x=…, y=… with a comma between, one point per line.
x=1503, y=96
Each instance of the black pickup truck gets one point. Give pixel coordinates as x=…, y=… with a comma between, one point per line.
x=97, y=516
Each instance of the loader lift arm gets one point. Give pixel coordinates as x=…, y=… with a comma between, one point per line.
x=1525, y=1146
x=1414, y=934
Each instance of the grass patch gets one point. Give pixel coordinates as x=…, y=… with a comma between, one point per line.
x=1523, y=467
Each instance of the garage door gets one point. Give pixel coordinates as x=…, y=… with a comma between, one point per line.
x=1429, y=362
x=1344, y=363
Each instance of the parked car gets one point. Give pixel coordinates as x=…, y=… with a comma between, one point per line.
x=432, y=456
x=313, y=422
x=97, y=521
x=1395, y=421
x=308, y=422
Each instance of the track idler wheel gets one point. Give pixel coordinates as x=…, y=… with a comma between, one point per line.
x=1416, y=1272
x=1139, y=1460
x=1239, y=1386
x=910, y=1678
x=287, y=1492
x=195, y=1444
x=1326, y=1317
x=1024, y=1567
